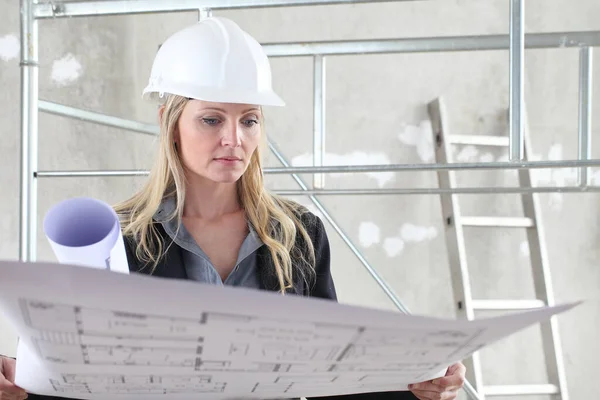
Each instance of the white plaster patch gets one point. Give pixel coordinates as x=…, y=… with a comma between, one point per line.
x=555, y=201
x=453, y=151
x=524, y=248
x=393, y=246
x=595, y=177
x=554, y=176
x=486, y=157
x=555, y=152
x=408, y=233
x=354, y=158
x=9, y=47
x=421, y=137
x=561, y=176
x=563, y=42
x=368, y=234
x=468, y=153
x=66, y=70
x=414, y=233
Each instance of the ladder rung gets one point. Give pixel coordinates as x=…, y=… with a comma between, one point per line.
x=507, y=305
x=507, y=222
x=520, y=390
x=479, y=140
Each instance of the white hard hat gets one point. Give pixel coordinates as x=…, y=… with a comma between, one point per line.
x=213, y=60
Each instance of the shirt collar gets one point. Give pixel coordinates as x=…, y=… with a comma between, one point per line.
x=165, y=210
x=165, y=215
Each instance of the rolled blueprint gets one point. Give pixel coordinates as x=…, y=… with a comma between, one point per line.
x=85, y=231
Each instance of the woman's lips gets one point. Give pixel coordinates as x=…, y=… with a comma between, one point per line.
x=228, y=160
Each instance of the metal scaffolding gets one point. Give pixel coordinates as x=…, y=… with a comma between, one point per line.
x=516, y=42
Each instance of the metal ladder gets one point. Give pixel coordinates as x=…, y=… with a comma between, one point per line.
x=461, y=286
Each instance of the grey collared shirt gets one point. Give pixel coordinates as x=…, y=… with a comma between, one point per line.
x=197, y=264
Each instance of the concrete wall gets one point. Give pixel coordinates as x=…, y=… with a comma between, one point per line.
x=376, y=113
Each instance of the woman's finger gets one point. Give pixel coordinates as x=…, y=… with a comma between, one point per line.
x=454, y=379
x=451, y=382
x=7, y=388
x=4, y=395
x=427, y=386
x=429, y=395
x=7, y=377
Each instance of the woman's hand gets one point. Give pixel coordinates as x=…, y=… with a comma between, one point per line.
x=445, y=388
x=8, y=390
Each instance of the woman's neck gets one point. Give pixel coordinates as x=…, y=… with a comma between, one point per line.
x=210, y=200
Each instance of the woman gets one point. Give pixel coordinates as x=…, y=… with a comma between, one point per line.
x=204, y=213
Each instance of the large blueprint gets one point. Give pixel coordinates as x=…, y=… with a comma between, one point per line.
x=95, y=334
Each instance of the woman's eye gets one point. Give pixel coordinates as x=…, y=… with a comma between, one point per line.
x=210, y=121
x=250, y=122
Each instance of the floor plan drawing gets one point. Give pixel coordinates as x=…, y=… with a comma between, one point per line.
x=119, y=355
x=219, y=342
x=230, y=344
x=304, y=352
x=390, y=366
x=124, y=384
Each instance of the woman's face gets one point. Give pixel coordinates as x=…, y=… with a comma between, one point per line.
x=217, y=140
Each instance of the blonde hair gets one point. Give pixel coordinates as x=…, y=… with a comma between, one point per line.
x=276, y=220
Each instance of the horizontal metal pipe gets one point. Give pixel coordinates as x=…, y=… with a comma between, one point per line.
x=434, y=167
x=102, y=119
x=431, y=44
x=57, y=9
x=409, y=45
x=456, y=190
x=90, y=174
x=337, y=192
x=360, y=168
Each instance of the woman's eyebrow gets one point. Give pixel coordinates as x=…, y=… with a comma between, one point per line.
x=225, y=111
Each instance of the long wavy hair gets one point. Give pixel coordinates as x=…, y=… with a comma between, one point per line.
x=276, y=220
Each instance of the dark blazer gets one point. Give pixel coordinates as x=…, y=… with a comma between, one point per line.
x=171, y=266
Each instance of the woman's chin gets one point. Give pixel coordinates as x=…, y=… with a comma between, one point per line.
x=229, y=177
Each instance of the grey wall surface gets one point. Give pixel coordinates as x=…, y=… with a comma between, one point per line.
x=376, y=113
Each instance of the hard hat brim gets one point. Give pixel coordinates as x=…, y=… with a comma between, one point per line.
x=213, y=94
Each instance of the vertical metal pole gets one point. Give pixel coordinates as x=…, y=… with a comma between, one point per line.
x=319, y=119
x=204, y=13
x=29, y=132
x=585, y=112
x=516, y=79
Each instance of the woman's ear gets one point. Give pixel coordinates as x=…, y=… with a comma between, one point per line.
x=161, y=110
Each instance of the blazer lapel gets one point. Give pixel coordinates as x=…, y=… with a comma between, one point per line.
x=268, y=277
x=169, y=266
